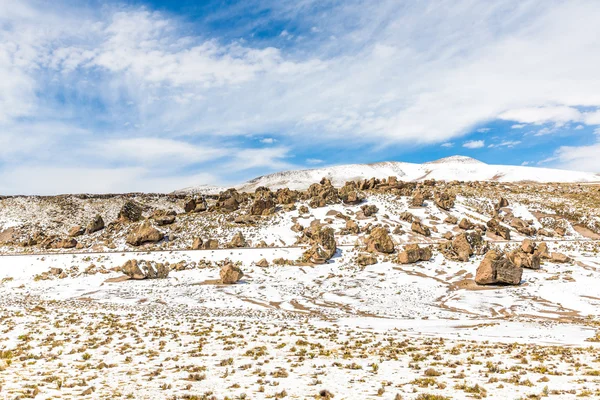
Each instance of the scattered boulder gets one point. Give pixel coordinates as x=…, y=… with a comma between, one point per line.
x=463, y=246
x=145, y=269
x=466, y=224
x=144, y=233
x=417, y=199
x=379, y=241
x=321, y=194
x=65, y=244
x=542, y=251
x=522, y=227
x=323, y=245
x=264, y=202
x=286, y=196
x=420, y=228
x=497, y=268
x=364, y=259
x=451, y=219
x=524, y=260
x=369, y=210
x=444, y=200
x=349, y=194
x=95, y=225
x=162, y=217
x=210, y=244
x=559, y=257
x=495, y=227
x=501, y=204
x=413, y=253
x=263, y=263
x=352, y=228
x=528, y=246
x=560, y=231
x=130, y=212
x=76, y=231
x=197, y=243
x=229, y=200
x=230, y=274
x=238, y=240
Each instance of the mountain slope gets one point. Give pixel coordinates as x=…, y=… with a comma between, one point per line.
x=450, y=168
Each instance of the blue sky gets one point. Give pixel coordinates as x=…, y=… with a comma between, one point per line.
x=158, y=95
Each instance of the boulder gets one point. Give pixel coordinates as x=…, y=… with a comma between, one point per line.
x=197, y=243
x=364, y=259
x=528, y=246
x=262, y=263
x=413, y=253
x=286, y=196
x=369, y=210
x=444, y=200
x=322, y=241
x=466, y=224
x=145, y=269
x=451, y=219
x=501, y=204
x=210, y=244
x=76, y=231
x=65, y=244
x=419, y=227
x=417, y=199
x=130, y=212
x=189, y=205
x=463, y=246
x=321, y=194
x=162, y=217
x=524, y=260
x=495, y=227
x=379, y=241
x=352, y=227
x=95, y=225
x=238, y=240
x=496, y=268
x=144, y=233
x=264, y=202
x=559, y=257
x=542, y=251
x=349, y=193
x=230, y=274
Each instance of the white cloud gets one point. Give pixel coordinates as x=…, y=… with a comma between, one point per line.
x=518, y=126
x=268, y=140
x=483, y=130
x=542, y=115
x=314, y=161
x=447, y=144
x=474, y=144
x=582, y=158
x=271, y=158
x=506, y=143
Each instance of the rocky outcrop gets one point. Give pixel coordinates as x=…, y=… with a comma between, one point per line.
x=463, y=246
x=130, y=212
x=263, y=263
x=497, y=268
x=522, y=227
x=379, y=241
x=264, y=202
x=145, y=269
x=229, y=200
x=495, y=227
x=501, y=204
x=420, y=228
x=524, y=260
x=230, y=274
x=210, y=244
x=542, y=251
x=197, y=243
x=286, y=196
x=417, y=199
x=144, y=233
x=444, y=200
x=413, y=253
x=68, y=243
x=95, y=225
x=195, y=205
x=466, y=224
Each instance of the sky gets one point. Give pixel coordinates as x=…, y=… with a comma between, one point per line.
x=154, y=96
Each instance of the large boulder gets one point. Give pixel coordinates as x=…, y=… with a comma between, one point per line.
x=264, y=202
x=528, y=246
x=130, y=212
x=230, y=274
x=497, y=268
x=364, y=259
x=369, y=210
x=542, y=250
x=413, y=253
x=76, y=231
x=379, y=241
x=68, y=243
x=466, y=224
x=286, y=196
x=501, y=204
x=559, y=257
x=524, y=260
x=229, y=200
x=144, y=233
x=322, y=241
x=420, y=228
x=321, y=194
x=417, y=199
x=163, y=217
x=197, y=243
x=95, y=225
x=444, y=200
x=144, y=269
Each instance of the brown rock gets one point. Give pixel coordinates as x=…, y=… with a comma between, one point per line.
x=496, y=268
x=379, y=241
x=210, y=244
x=238, y=240
x=444, y=200
x=162, y=217
x=76, y=231
x=364, y=259
x=145, y=269
x=419, y=227
x=559, y=258
x=465, y=224
x=65, y=244
x=95, y=225
x=263, y=263
x=501, y=203
x=230, y=274
x=417, y=199
x=451, y=219
x=144, y=233
x=495, y=227
x=197, y=243
x=349, y=193
x=413, y=253
x=542, y=251
x=528, y=246
x=524, y=260
x=369, y=210
x=130, y=212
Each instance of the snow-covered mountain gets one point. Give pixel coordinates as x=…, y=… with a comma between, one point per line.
x=449, y=168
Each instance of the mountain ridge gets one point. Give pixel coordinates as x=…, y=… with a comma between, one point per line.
x=448, y=168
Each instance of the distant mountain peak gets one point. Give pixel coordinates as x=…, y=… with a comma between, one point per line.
x=456, y=160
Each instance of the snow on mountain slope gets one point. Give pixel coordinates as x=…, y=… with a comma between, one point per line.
x=449, y=168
